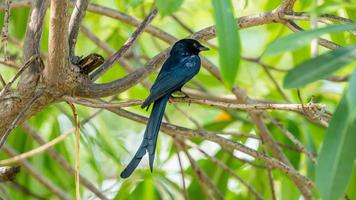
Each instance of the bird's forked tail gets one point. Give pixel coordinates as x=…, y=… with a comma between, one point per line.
x=150, y=137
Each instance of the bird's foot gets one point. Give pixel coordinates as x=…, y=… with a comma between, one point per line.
x=182, y=94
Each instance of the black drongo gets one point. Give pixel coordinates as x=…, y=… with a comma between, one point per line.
x=181, y=66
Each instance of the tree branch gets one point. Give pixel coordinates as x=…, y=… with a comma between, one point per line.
x=173, y=130
x=61, y=161
x=54, y=189
x=58, y=56
x=74, y=25
x=124, y=48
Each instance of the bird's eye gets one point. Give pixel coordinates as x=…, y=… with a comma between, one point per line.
x=195, y=45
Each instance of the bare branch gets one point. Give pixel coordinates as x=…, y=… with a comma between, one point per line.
x=219, y=104
x=34, y=29
x=22, y=69
x=74, y=25
x=61, y=161
x=128, y=44
x=19, y=117
x=338, y=78
x=223, y=142
x=230, y=171
x=77, y=151
x=54, y=189
x=266, y=137
x=185, y=193
x=323, y=42
x=293, y=139
x=287, y=6
x=58, y=56
x=3, y=83
x=203, y=179
x=5, y=28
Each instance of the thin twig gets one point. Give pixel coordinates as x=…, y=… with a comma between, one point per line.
x=279, y=89
x=21, y=70
x=53, y=188
x=125, y=47
x=229, y=170
x=223, y=142
x=223, y=105
x=16, y=185
x=3, y=83
x=185, y=193
x=203, y=179
x=37, y=150
x=293, y=139
x=62, y=162
x=19, y=117
x=323, y=42
x=77, y=151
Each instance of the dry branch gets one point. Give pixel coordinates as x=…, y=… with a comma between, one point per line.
x=74, y=25
x=125, y=47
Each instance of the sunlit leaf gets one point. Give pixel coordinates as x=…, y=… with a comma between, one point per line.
x=229, y=40
x=300, y=39
x=320, y=67
x=351, y=95
x=337, y=155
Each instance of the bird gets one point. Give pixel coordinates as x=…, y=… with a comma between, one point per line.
x=181, y=66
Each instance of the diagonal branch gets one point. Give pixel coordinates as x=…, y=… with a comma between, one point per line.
x=128, y=44
x=74, y=25
x=173, y=130
x=34, y=29
x=61, y=161
x=19, y=117
x=53, y=188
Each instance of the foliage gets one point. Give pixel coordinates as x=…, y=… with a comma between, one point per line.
x=257, y=59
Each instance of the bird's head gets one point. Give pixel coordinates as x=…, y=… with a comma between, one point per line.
x=188, y=47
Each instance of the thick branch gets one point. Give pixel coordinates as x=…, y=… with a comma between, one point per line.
x=58, y=56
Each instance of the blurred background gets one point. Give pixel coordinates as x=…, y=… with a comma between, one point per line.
x=109, y=141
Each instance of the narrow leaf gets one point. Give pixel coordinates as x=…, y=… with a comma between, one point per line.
x=167, y=7
x=320, y=67
x=351, y=95
x=229, y=40
x=337, y=155
x=300, y=39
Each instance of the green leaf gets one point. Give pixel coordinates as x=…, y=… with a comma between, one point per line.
x=351, y=95
x=320, y=67
x=300, y=39
x=228, y=39
x=167, y=7
x=337, y=155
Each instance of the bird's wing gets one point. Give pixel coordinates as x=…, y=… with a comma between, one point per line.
x=173, y=78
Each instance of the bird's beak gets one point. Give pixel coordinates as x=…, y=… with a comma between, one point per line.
x=203, y=48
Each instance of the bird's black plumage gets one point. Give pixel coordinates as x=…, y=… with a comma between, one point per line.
x=181, y=66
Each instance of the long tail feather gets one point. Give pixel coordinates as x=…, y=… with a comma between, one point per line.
x=150, y=137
